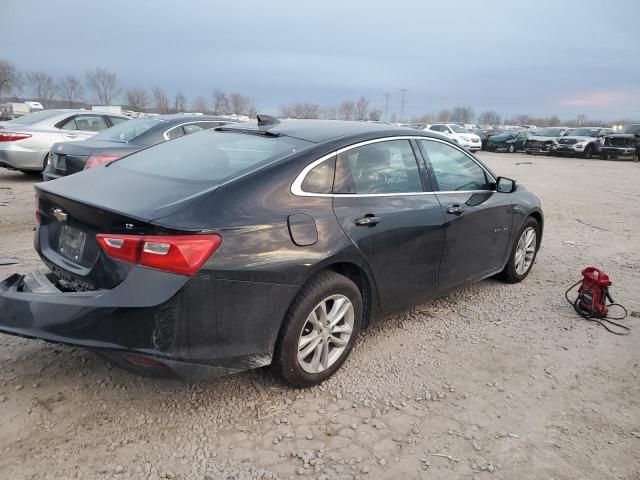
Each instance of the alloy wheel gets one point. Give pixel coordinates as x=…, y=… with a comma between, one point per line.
x=525, y=251
x=325, y=334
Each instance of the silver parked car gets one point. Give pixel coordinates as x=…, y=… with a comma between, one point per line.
x=25, y=142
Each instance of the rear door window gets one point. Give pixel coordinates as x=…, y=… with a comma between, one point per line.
x=89, y=123
x=378, y=168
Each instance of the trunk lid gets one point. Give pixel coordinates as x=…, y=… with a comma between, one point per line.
x=101, y=200
x=70, y=157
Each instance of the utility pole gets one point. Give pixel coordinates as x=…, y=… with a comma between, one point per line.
x=404, y=91
x=386, y=106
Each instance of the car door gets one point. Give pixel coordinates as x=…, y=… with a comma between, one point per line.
x=384, y=203
x=478, y=219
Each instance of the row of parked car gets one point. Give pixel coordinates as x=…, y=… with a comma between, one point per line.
x=586, y=142
x=61, y=142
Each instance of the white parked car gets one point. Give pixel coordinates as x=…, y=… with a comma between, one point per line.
x=460, y=135
x=25, y=142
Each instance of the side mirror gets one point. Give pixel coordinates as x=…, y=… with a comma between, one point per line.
x=505, y=185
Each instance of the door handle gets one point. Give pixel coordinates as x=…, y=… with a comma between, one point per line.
x=455, y=209
x=71, y=135
x=369, y=220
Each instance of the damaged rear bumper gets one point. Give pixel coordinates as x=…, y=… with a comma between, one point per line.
x=172, y=319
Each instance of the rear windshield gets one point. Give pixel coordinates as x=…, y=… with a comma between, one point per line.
x=126, y=131
x=36, y=117
x=210, y=156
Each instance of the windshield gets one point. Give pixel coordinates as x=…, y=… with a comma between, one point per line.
x=36, y=117
x=458, y=129
x=210, y=156
x=585, y=132
x=126, y=131
x=550, y=132
x=631, y=129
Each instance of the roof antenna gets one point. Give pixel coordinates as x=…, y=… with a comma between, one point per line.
x=267, y=120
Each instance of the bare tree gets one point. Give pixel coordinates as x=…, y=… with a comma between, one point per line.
x=220, y=103
x=329, y=113
x=10, y=78
x=347, y=110
x=375, y=115
x=362, y=108
x=180, y=103
x=462, y=114
x=301, y=110
x=43, y=88
x=200, y=104
x=160, y=100
x=71, y=90
x=104, y=84
x=240, y=104
x=252, y=110
x=444, y=116
x=489, y=117
x=137, y=99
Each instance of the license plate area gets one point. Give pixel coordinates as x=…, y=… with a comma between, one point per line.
x=71, y=243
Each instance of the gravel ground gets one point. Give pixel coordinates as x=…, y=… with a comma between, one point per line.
x=492, y=381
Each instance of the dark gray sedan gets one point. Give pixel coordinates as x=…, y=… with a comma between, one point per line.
x=66, y=158
x=263, y=243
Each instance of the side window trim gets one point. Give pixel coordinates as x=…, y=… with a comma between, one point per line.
x=490, y=178
x=296, y=186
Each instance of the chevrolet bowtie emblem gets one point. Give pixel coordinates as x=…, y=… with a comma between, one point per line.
x=59, y=215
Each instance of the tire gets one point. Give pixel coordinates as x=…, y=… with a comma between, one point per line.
x=512, y=148
x=304, y=319
x=588, y=152
x=512, y=272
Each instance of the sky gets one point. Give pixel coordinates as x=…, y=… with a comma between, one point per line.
x=539, y=57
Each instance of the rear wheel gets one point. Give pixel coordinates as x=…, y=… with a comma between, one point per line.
x=319, y=330
x=512, y=148
x=523, y=252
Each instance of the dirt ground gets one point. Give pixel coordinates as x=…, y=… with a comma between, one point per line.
x=493, y=381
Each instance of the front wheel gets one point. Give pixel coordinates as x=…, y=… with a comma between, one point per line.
x=588, y=152
x=523, y=252
x=512, y=148
x=319, y=330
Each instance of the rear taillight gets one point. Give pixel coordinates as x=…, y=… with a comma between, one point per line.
x=13, y=136
x=95, y=160
x=183, y=254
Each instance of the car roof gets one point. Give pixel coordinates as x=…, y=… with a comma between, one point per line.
x=318, y=131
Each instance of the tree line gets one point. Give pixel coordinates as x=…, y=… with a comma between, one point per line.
x=102, y=87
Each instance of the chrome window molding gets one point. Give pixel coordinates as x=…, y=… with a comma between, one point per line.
x=166, y=133
x=296, y=186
